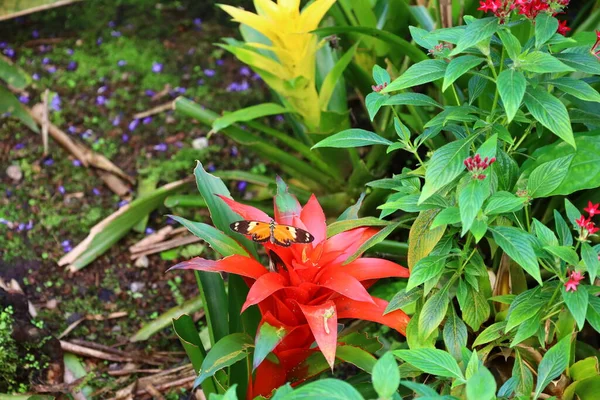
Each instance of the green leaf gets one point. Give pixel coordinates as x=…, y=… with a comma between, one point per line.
x=488, y=148
x=185, y=329
x=325, y=389
x=550, y=112
x=380, y=75
x=542, y=63
x=385, y=376
x=511, y=87
x=565, y=253
x=545, y=28
x=219, y=241
x=516, y=243
x=357, y=356
x=352, y=211
x=546, y=177
x=481, y=385
x=526, y=329
x=447, y=216
x=352, y=138
x=455, y=334
x=458, y=67
x=421, y=238
x=13, y=75
x=373, y=102
x=418, y=74
x=409, y=203
x=226, y=352
x=401, y=130
x=577, y=303
x=432, y=361
x=402, y=299
x=564, y=233
x=248, y=114
x=267, y=339
x=425, y=269
x=477, y=31
x=411, y=99
x=372, y=241
x=346, y=225
x=583, y=62
x=503, y=202
x=576, y=88
x=590, y=258
x=554, y=362
x=470, y=200
x=445, y=165
x=525, y=306
x=334, y=76
x=421, y=389
x=433, y=312
x=584, y=169
x=162, y=321
x=474, y=307
x=573, y=213
x=522, y=375
x=511, y=43
x=490, y=333
x=10, y=104
x=545, y=234
x=506, y=170
x=593, y=312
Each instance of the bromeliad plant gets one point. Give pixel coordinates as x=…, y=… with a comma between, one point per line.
x=490, y=168
x=304, y=295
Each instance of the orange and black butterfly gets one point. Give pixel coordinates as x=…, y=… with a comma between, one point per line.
x=282, y=235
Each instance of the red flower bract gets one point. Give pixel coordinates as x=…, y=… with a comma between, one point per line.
x=312, y=290
x=573, y=282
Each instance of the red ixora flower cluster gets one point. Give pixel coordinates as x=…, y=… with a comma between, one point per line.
x=573, y=282
x=528, y=8
x=476, y=166
x=312, y=287
x=379, y=88
x=587, y=226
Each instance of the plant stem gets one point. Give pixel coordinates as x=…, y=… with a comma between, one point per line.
x=496, y=94
x=527, y=218
x=516, y=145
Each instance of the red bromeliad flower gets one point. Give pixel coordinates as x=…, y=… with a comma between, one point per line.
x=312, y=289
x=586, y=225
x=592, y=209
x=594, y=50
x=573, y=281
x=563, y=29
x=529, y=8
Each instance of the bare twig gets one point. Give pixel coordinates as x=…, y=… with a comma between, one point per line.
x=155, y=237
x=169, y=244
x=45, y=121
x=36, y=9
x=154, y=392
x=114, y=183
x=123, y=372
x=187, y=381
x=154, y=111
x=74, y=324
x=84, y=351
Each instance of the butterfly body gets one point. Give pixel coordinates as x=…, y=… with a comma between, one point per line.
x=282, y=235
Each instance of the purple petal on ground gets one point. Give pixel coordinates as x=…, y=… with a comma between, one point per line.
x=157, y=67
x=234, y=151
x=147, y=120
x=200, y=82
x=19, y=146
x=51, y=69
x=35, y=34
x=116, y=120
x=209, y=72
x=72, y=129
x=115, y=34
x=211, y=167
x=96, y=191
x=55, y=103
x=245, y=71
x=161, y=147
x=3, y=45
x=100, y=100
x=133, y=124
x=99, y=41
x=24, y=99
x=256, y=77
x=46, y=61
x=197, y=21
x=279, y=118
x=70, y=52
x=101, y=89
x=122, y=203
x=29, y=225
x=49, y=162
x=76, y=163
x=111, y=24
x=149, y=231
x=72, y=66
x=121, y=63
x=35, y=77
x=9, y=52
x=150, y=92
x=125, y=138
x=241, y=186
x=220, y=62
x=61, y=189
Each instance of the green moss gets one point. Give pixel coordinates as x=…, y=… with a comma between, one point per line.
x=9, y=358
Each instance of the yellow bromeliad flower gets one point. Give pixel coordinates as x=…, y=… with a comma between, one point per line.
x=288, y=64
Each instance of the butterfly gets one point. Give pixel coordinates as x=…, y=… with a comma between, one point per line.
x=282, y=235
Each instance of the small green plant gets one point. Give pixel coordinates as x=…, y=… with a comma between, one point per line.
x=8, y=351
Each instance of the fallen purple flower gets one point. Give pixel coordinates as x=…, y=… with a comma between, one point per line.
x=51, y=69
x=220, y=62
x=211, y=167
x=234, y=151
x=111, y=24
x=99, y=41
x=70, y=52
x=24, y=99
x=125, y=138
x=3, y=45
x=116, y=34
x=122, y=203
x=245, y=71
x=49, y=162
x=29, y=225
x=133, y=124
x=9, y=52
x=35, y=77
x=61, y=189
x=209, y=72
x=121, y=63
x=200, y=82
x=150, y=92
x=157, y=67
x=241, y=186
x=87, y=134
x=197, y=21
x=46, y=61
x=72, y=66
x=72, y=129
x=100, y=100
x=55, y=102
x=76, y=163
x=19, y=146
x=101, y=89
x=147, y=120
x=161, y=147
x=35, y=34
x=256, y=77
x=279, y=118
x=149, y=231
x=96, y=191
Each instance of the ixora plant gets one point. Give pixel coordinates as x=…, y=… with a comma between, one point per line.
x=487, y=237
x=302, y=296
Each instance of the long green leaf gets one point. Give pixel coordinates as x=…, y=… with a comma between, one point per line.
x=224, y=353
x=248, y=114
x=333, y=77
x=352, y=138
x=165, y=319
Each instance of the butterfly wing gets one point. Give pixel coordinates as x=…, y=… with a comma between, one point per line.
x=258, y=231
x=285, y=235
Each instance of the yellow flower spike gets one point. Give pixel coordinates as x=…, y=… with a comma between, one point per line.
x=291, y=72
